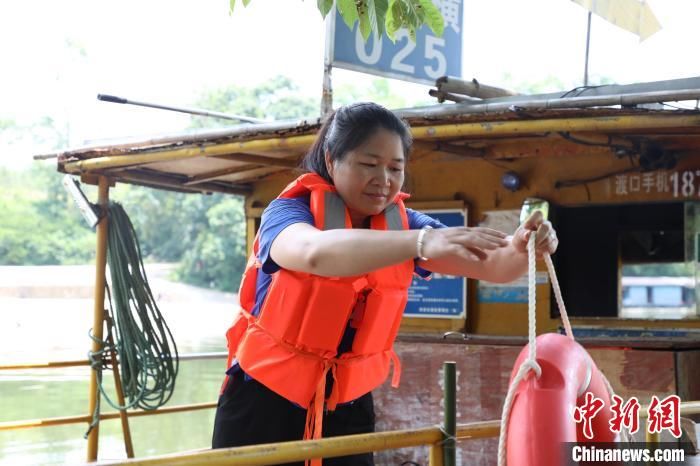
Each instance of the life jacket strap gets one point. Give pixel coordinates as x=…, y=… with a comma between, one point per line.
x=396, y=374
x=314, y=415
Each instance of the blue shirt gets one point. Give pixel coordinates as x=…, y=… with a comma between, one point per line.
x=281, y=213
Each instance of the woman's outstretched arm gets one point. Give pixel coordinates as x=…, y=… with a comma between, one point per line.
x=347, y=252
x=500, y=265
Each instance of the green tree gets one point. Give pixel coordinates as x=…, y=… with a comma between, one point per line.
x=212, y=228
x=40, y=223
x=217, y=257
x=275, y=99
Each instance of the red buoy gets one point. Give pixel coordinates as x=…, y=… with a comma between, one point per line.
x=542, y=414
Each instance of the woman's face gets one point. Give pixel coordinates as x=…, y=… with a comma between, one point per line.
x=370, y=176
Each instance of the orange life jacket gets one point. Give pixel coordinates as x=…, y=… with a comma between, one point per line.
x=292, y=344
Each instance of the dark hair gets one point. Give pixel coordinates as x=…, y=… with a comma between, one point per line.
x=348, y=128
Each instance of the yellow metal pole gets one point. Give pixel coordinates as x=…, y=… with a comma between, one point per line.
x=652, y=440
x=436, y=454
x=276, y=453
x=59, y=421
x=476, y=129
x=280, y=453
x=652, y=437
x=85, y=362
x=45, y=365
x=98, y=309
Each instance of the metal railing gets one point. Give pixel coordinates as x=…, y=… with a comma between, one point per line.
x=440, y=440
x=55, y=421
x=284, y=452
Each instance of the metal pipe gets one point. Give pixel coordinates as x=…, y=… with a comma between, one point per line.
x=471, y=88
x=85, y=362
x=285, y=452
x=449, y=426
x=607, y=90
x=327, y=87
x=98, y=309
x=58, y=421
x=443, y=96
x=441, y=111
x=486, y=128
x=588, y=45
x=193, y=111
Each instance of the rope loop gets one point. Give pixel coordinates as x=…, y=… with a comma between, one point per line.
x=528, y=366
x=137, y=334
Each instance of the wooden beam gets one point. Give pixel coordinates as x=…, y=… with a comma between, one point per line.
x=154, y=178
x=259, y=160
x=212, y=175
x=254, y=173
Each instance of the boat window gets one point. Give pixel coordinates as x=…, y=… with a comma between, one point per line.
x=628, y=261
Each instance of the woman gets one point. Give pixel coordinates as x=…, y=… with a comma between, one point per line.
x=325, y=287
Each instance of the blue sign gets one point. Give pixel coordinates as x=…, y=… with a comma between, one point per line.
x=424, y=61
x=442, y=296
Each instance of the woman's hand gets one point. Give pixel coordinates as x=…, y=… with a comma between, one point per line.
x=546, y=238
x=465, y=242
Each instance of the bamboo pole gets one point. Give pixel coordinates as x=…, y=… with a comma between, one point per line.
x=59, y=421
x=98, y=309
x=479, y=129
x=128, y=445
x=449, y=426
x=293, y=142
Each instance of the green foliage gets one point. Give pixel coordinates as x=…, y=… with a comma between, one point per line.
x=217, y=256
x=348, y=11
x=6, y=123
x=324, y=6
x=39, y=220
x=382, y=16
x=277, y=99
x=379, y=91
x=204, y=233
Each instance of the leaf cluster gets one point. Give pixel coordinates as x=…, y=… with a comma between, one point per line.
x=382, y=16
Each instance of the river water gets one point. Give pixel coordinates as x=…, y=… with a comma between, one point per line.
x=46, y=314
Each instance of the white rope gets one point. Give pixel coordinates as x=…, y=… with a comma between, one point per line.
x=557, y=295
x=530, y=364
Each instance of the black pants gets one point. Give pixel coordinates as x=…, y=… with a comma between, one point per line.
x=249, y=413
